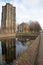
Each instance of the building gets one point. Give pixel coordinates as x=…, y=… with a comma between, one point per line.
x=23, y=27
x=8, y=21
x=8, y=25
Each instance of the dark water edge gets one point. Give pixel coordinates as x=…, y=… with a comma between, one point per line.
x=20, y=49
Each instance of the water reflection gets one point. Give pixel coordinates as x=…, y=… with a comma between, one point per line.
x=0, y=53
x=13, y=49
x=9, y=50
x=20, y=48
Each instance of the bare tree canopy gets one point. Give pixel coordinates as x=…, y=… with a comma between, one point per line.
x=35, y=26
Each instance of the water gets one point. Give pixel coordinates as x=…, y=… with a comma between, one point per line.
x=20, y=49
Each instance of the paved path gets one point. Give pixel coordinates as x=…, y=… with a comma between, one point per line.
x=40, y=53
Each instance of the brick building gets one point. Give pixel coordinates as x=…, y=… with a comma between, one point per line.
x=23, y=27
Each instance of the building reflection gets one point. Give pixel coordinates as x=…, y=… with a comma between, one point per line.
x=9, y=50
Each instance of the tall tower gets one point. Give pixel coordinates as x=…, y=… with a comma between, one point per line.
x=8, y=22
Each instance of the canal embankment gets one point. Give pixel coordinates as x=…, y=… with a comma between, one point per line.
x=29, y=57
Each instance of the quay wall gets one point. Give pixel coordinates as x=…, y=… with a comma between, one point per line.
x=29, y=57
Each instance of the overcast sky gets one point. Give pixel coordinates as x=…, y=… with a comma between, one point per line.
x=26, y=10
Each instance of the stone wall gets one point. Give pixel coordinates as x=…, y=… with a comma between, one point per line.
x=29, y=57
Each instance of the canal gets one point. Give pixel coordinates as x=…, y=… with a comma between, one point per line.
x=21, y=47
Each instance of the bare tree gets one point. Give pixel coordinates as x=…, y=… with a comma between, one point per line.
x=35, y=26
